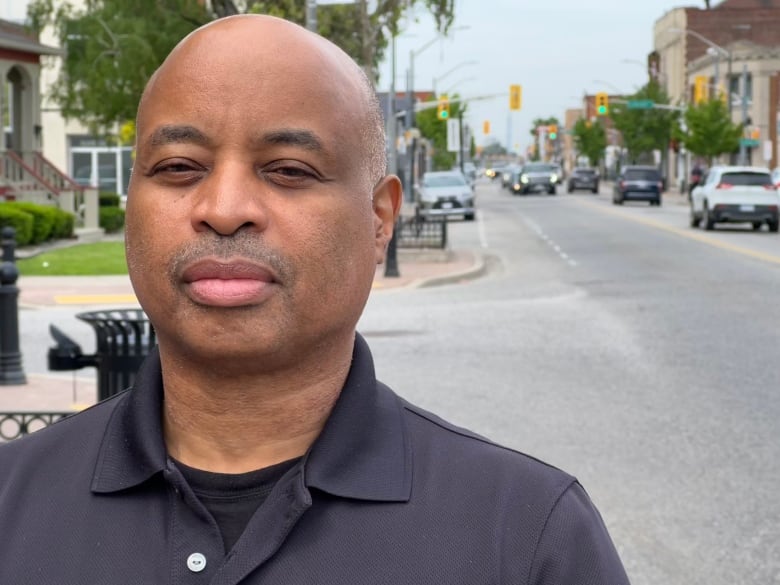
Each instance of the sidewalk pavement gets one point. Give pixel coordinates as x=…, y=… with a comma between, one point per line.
x=66, y=391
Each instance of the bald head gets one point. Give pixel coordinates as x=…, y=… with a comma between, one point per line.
x=265, y=50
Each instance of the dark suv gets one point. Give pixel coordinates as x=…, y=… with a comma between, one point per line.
x=584, y=178
x=638, y=183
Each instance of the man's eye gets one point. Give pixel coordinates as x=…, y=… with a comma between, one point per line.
x=293, y=172
x=176, y=167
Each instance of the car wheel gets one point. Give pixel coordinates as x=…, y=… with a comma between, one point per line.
x=595, y=189
x=757, y=225
x=695, y=221
x=551, y=191
x=707, y=219
x=773, y=225
x=570, y=190
x=468, y=217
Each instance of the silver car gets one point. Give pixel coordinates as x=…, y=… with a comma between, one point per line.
x=446, y=193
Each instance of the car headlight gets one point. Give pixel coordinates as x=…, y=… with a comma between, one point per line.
x=553, y=178
x=524, y=178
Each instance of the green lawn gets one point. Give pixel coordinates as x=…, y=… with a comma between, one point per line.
x=94, y=259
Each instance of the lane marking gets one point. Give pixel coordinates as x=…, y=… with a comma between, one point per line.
x=481, y=231
x=546, y=239
x=688, y=233
x=94, y=299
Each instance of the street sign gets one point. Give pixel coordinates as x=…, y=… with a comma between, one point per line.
x=748, y=142
x=640, y=104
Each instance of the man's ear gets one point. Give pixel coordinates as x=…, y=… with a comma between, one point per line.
x=388, y=195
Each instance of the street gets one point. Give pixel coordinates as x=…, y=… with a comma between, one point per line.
x=626, y=348
x=614, y=342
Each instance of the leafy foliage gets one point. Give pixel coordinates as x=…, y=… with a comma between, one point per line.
x=590, y=139
x=435, y=130
x=709, y=130
x=644, y=131
x=113, y=46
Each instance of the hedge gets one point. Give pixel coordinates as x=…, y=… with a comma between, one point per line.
x=20, y=220
x=44, y=218
x=63, y=225
x=112, y=219
x=108, y=199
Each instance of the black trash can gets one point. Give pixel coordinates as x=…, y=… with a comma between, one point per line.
x=124, y=338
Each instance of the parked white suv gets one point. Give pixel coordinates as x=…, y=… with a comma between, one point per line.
x=731, y=194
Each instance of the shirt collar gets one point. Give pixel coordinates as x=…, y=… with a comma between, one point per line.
x=363, y=451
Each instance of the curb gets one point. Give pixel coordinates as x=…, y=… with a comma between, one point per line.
x=477, y=269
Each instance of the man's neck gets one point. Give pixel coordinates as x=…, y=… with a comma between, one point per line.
x=239, y=423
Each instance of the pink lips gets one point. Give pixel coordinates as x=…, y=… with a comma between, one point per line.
x=228, y=283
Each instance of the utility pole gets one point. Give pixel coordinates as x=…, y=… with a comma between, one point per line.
x=391, y=261
x=311, y=15
x=743, y=92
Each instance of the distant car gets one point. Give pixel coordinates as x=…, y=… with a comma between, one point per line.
x=507, y=174
x=470, y=170
x=733, y=194
x=776, y=177
x=539, y=176
x=515, y=186
x=638, y=183
x=495, y=171
x=446, y=193
x=584, y=178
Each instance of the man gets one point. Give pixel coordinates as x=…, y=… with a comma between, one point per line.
x=257, y=445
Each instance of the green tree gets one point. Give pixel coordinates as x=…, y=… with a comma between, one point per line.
x=590, y=139
x=435, y=131
x=113, y=46
x=709, y=131
x=644, y=131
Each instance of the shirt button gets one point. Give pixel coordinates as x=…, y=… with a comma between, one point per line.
x=196, y=562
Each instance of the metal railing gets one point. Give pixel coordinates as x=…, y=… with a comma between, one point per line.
x=17, y=424
x=419, y=231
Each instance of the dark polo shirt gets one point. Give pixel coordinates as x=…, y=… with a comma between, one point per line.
x=388, y=494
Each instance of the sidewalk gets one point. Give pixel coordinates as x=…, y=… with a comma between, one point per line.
x=65, y=391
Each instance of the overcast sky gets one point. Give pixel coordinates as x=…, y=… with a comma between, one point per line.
x=556, y=49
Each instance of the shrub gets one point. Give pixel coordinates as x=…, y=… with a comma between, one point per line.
x=108, y=199
x=63, y=224
x=20, y=220
x=44, y=217
x=112, y=219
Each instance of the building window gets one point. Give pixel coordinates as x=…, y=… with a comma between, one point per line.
x=735, y=86
x=94, y=163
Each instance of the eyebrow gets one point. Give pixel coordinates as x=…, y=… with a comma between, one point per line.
x=292, y=137
x=176, y=135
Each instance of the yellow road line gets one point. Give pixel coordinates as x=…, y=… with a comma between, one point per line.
x=685, y=233
x=94, y=299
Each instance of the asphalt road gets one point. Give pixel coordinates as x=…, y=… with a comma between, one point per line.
x=627, y=348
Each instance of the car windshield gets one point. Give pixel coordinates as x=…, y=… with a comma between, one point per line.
x=541, y=169
x=746, y=179
x=642, y=175
x=584, y=171
x=443, y=181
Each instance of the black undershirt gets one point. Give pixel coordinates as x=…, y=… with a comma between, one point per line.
x=233, y=498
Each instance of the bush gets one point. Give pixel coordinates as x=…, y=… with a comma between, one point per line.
x=108, y=199
x=112, y=219
x=63, y=224
x=20, y=220
x=44, y=218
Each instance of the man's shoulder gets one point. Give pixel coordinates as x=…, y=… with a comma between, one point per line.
x=456, y=446
x=73, y=436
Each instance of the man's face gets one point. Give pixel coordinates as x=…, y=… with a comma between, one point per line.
x=250, y=225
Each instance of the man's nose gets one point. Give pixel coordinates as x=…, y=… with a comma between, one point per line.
x=229, y=199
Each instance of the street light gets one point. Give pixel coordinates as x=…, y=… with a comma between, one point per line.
x=458, y=66
x=718, y=51
x=456, y=84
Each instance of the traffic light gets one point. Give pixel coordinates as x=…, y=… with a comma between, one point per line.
x=602, y=104
x=486, y=127
x=515, y=97
x=444, y=108
x=552, y=131
x=700, y=89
